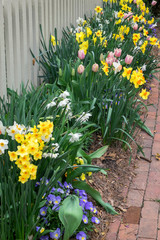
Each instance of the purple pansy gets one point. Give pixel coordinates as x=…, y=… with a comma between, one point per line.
x=89, y=206
x=60, y=184
x=43, y=211
x=85, y=219
x=57, y=200
x=46, y=237
x=60, y=190
x=81, y=236
x=95, y=220
x=56, y=234
x=51, y=198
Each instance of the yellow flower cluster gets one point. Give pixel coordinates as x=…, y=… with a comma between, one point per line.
x=30, y=149
x=121, y=32
x=136, y=37
x=105, y=68
x=144, y=94
x=143, y=47
x=137, y=78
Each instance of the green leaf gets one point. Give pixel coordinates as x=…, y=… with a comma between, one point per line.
x=144, y=127
x=99, y=153
x=95, y=195
x=70, y=214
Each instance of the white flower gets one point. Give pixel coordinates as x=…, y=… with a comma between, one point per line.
x=46, y=138
x=154, y=25
x=136, y=49
x=144, y=67
x=115, y=14
x=107, y=21
x=140, y=43
x=63, y=103
x=79, y=29
x=64, y=94
x=15, y=129
x=117, y=66
x=55, y=147
x=98, y=19
x=51, y=104
x=1, y=151
x=101, y=26
x=51, y=155
x=2, y=128
x=74, y=137
x=80, y=21
x=84, y=117
x=3, y=144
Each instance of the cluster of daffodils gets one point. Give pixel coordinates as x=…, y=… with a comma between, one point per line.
x=30, y=147
x=51, y=209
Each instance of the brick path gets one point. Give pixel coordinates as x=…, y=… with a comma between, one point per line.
x=142, y=219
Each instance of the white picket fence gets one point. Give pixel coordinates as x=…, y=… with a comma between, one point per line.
x=20, y=32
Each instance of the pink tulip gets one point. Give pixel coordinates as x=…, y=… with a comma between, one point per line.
x=125, y=15
x=117, y=52
x=81, y=54
x=148, y=38
x=140, y=29
x=135, y=1
x=135, y=27
x=128, y=59
x=110, y=60
x=130, y=15
x=95, y=67
x=80, y=69
x=153, y=3
x=110, y=55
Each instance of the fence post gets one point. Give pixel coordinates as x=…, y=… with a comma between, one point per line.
x=3, y=82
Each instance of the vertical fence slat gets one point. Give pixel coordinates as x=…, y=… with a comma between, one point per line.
x=3, y=79
x=9, y=43
x=17, y=43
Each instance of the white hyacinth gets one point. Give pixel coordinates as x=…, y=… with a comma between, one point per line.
x=64, y=94
x=64, y=102
x=74, y=137
x=144, y=67
x=84, y=117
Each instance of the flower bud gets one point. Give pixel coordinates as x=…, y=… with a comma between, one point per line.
x=140, y=29
x=73, y=72
x=60, y=72
x=80, y=69
x=111, y=55
x=117, y=52
x=128, y=59
x=153, y=3
x=135, y=27
x=95, y=67
x=101, y=57
x=81, y=54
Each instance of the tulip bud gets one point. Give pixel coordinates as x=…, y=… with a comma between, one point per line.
x=153, y=3
x=117, y=52
x=73, y=72
x=135, y=27
x=101, y=57
x=128, y=59
x=110, y=55
x=60, y=72
x=95, y=67
x=110, y=60
x=140, y=29
x=80, y=69
x=81, y=54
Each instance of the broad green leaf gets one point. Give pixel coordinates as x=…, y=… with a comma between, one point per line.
x=99, y=153
x=95, y=195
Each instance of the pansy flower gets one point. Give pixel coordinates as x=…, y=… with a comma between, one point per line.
x=56, y=234
x=43, y=211
x=81, y=236
x=95, y=220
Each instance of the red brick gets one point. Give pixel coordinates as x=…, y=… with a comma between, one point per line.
x=157, y=137
x=158, y=238
x=155, y=165
x=156, y=148
x=146, y=238
x=147, y=152
x=152, y=192
x=151, y=115
x=139, y=182
x=147, y=143
x=148, y=228
x=150, y=210
x=128, y=232
x=159, y=221
x=158, y=128
x=154, y=178
x=151, y=109
x=142, y=166
x=158, y=119
x=113, y=228
x=135, y=198
x=150, y=123
x=145, y=135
